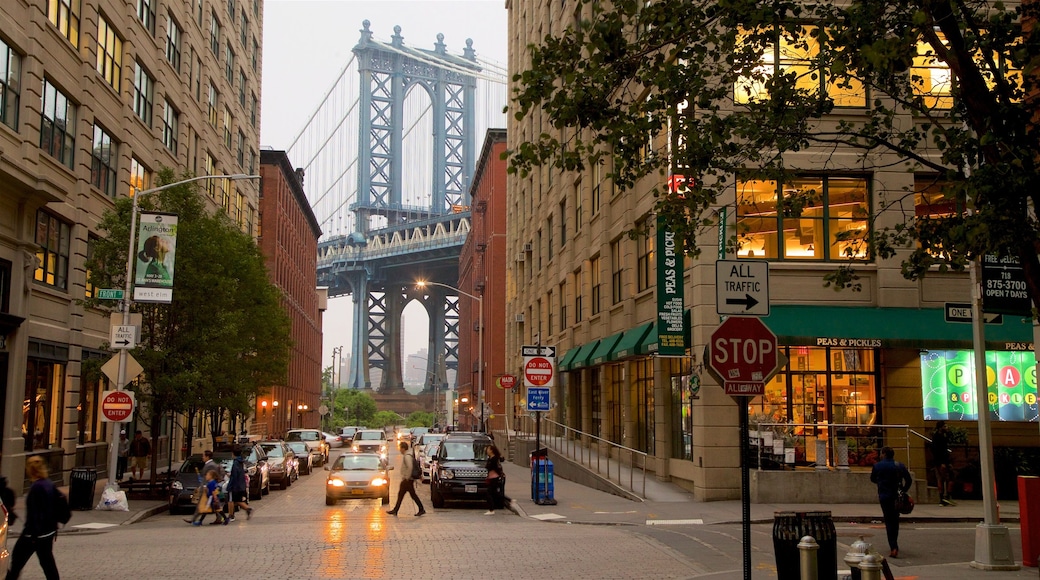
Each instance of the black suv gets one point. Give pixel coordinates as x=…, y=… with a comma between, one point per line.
x=459, y=469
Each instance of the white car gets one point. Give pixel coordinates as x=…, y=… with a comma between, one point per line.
x=426, y=453
x=333, y=440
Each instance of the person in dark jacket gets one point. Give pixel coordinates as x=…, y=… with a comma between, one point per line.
x=943, y=462
x=891, y=477
x=496, y=481
x=41, y=523
x=238, y=488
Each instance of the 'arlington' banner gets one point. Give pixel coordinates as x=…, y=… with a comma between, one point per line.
x=670, y=306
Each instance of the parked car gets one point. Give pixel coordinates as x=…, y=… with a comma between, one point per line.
x=303, y=456
x=425, y=459
x=415, y=432
x=459, y=471
x=315, y=441
x=370, y=441
x=358, y=476
x=424, y=440
x=189, y=476
x=348, y=432
x=333, y=440
x=281, y=463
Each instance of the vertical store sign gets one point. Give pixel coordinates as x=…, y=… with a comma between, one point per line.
x=671, y=335
x=156, y=249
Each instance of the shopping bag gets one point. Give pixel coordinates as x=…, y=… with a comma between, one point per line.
x=113, y=499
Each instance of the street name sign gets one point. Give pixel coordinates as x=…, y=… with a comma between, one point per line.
x=744, y=354
x=742, y=287
x=961, y=312
x=109, y=294
x=117, y=406
x=537, y=398
x=124, y=336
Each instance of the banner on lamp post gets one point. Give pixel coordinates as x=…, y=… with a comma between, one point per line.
x=671, y=331
x=156, y=251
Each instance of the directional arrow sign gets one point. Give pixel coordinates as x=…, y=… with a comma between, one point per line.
x=742, y=287
x=124, y=336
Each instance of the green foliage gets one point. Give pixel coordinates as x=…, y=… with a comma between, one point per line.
x=420, y=419
x=225, y=336
x=646, y=89
x=352, y=407
x=384, y=419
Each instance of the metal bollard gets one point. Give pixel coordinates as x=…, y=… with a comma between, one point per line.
x=821, y=455
x=843, y=451
x=857, y=551
x=807, y=554
x=870, y=567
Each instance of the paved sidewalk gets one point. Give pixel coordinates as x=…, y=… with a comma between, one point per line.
x=95, y=521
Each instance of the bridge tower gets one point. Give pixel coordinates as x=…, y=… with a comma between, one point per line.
x=379, y=290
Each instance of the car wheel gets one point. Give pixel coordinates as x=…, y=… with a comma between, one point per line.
x=436, y=498
x=286, y=482
x=330, y=500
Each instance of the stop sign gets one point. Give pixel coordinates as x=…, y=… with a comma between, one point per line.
x=117, y=406
x=538, y=371
x=743, y=354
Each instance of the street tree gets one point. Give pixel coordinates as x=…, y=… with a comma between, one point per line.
x=224, y=338
x=420, y=419
x=352, y=407
x=723, y=90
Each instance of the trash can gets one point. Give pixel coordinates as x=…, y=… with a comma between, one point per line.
x=786, y=535
x=81, y=488
x=1029, y=510
x=788, y=530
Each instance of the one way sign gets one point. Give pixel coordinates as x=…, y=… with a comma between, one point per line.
x=961, y=312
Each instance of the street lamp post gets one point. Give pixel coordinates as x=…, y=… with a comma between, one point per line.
x=480, y=342
x=113, y=439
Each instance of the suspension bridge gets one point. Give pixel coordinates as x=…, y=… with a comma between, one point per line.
x=388, y=156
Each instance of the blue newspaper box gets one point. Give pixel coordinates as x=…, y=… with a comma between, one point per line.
x=542, y=482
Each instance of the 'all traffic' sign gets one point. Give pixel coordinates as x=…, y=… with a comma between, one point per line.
x=743, y=355
x=117, y=406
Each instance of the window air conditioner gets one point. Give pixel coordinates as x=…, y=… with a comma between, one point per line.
x=520, y=257
x=527, y=247
x=519, y=317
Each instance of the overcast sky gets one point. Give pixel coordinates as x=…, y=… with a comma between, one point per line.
x=307, y=43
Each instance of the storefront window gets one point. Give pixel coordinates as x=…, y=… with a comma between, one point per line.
x=643, y=406
x=615, y=416
x=41, y=409
x=595, y=407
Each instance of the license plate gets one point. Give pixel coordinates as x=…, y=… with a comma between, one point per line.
x=471, y=489
x=357, y=491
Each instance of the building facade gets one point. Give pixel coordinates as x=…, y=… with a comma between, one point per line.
x=881, y=364
x=482, y=272
x=96, y=97
x=288, y=238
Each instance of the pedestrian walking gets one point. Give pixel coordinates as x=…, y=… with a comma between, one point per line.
x=892, y=478
x=41, y=523
x=140, y=451
x=942, y=462
x=238, y=487
x=408, y=478
x=496, y=481
x=209, y=503
x=124, y=453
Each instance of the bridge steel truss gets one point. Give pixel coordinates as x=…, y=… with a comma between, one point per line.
x=379, y=266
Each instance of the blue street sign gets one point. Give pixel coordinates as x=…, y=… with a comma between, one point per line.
x=537, y=398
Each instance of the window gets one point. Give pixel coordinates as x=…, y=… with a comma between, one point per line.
x=594, y=275
x=242, y=88
x=214, y=34
x=241, y=149
x=171, y=126
x=146, y=14
x=211, y=105
x=140, y=176
x=91, y=428
x=44, y=395
x=798, y=56
x=550, y=307
x=644, y=258
x=578, y=311
x=144, y=88
x=538, y=249
x=616, y=265
x=109, y=54
x=549, y=230
x=563, y=223
x=196, y=74
x=256, y=54
x=577, y=211
x=90, y=290
x=252, y=109
x=563, y=305
x=228, y=192
x=198, y=12
x=211, y=169
x=240, y=209
x=243, y=33
x=231, y=7
x=809, y=218
x=53, y=236
x=103, y=155
x=597, y=187
x=227, y=127
x=10, y=83
x=252, y=162
x=64, y=14
x=931, y=199
x=229, y=64
x=57, y=124
x=173, y=43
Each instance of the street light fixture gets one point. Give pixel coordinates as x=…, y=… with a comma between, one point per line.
x=113, y=446
x=480, y=341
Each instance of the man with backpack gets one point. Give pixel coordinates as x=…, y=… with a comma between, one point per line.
x=410, y=471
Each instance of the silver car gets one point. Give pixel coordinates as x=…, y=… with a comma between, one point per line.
x=357, y=476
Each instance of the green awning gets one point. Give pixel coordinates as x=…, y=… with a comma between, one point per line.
x=649, y=343
x=626, y=347
x=889, y=328
x=581, y=359
x=605, y=349
x=565, y=362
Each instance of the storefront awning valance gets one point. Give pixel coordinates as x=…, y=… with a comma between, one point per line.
x=604, y=352
x=581, y=359
x=848, y=326
x=630, y=341
x=565, y=362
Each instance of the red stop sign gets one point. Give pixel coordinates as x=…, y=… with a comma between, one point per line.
x=117, y=406
x=538, y=371
x=743, y=353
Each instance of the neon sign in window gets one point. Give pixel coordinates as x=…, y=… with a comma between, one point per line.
x=948, y=385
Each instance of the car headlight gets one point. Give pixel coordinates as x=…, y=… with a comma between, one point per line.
x=380, y=481
x=382, y=448
x=334, y=482
x=177, y=485
x=354, y=447
x=447, y=474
